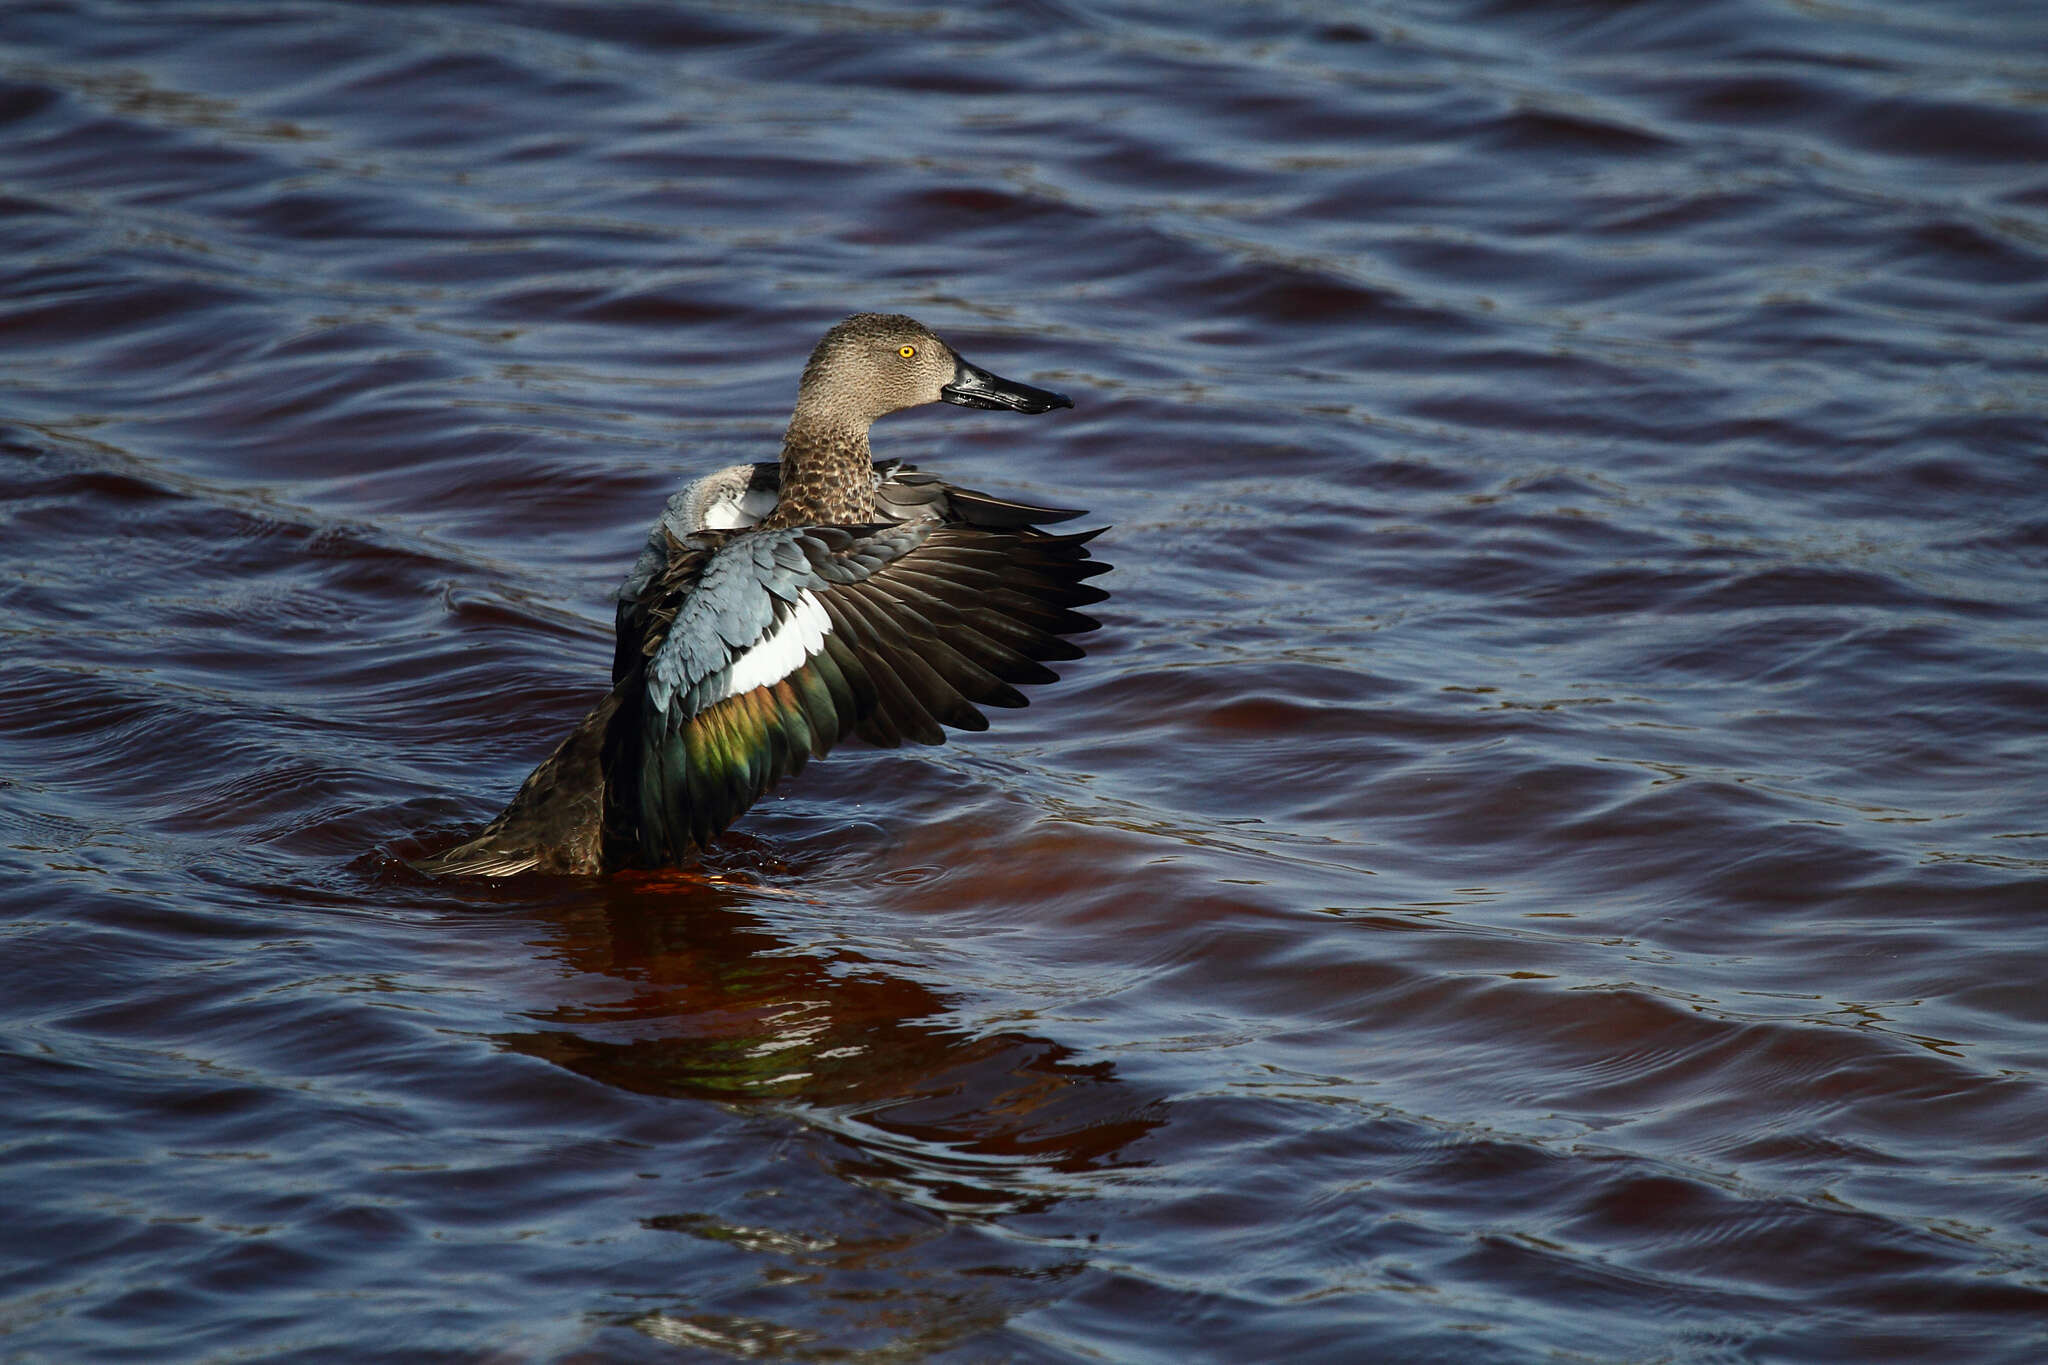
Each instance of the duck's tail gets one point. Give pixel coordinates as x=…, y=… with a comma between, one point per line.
x=557, y=822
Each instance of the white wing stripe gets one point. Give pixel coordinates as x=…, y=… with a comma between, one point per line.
x=782, y=650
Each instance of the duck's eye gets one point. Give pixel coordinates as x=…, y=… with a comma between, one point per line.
x=907, y=352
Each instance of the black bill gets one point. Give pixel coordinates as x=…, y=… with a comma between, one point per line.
x=974, y=387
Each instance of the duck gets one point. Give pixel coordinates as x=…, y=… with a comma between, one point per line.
x=780, y=607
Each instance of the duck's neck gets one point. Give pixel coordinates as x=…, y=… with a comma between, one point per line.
x=827, y=474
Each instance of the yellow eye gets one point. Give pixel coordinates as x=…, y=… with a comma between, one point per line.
x=907, y=352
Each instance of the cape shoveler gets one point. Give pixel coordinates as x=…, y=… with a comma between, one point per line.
x=778, y=608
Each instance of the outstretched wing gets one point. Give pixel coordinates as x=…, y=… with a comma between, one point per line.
x=740, y=496
x=764, y=649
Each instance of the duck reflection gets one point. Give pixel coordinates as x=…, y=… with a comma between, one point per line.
x=721, y=1007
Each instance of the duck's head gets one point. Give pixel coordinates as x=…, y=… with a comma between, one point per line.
x=878, y=363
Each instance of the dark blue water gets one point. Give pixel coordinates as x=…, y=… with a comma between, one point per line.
x=1546, y=860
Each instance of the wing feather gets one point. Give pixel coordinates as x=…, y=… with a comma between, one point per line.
x=742, y=654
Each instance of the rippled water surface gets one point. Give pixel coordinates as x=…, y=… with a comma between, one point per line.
x=1546, y=860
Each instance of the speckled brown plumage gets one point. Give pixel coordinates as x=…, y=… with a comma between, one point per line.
x=827, y=478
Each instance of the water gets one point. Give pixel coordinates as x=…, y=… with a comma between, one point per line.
x=1545, y=860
